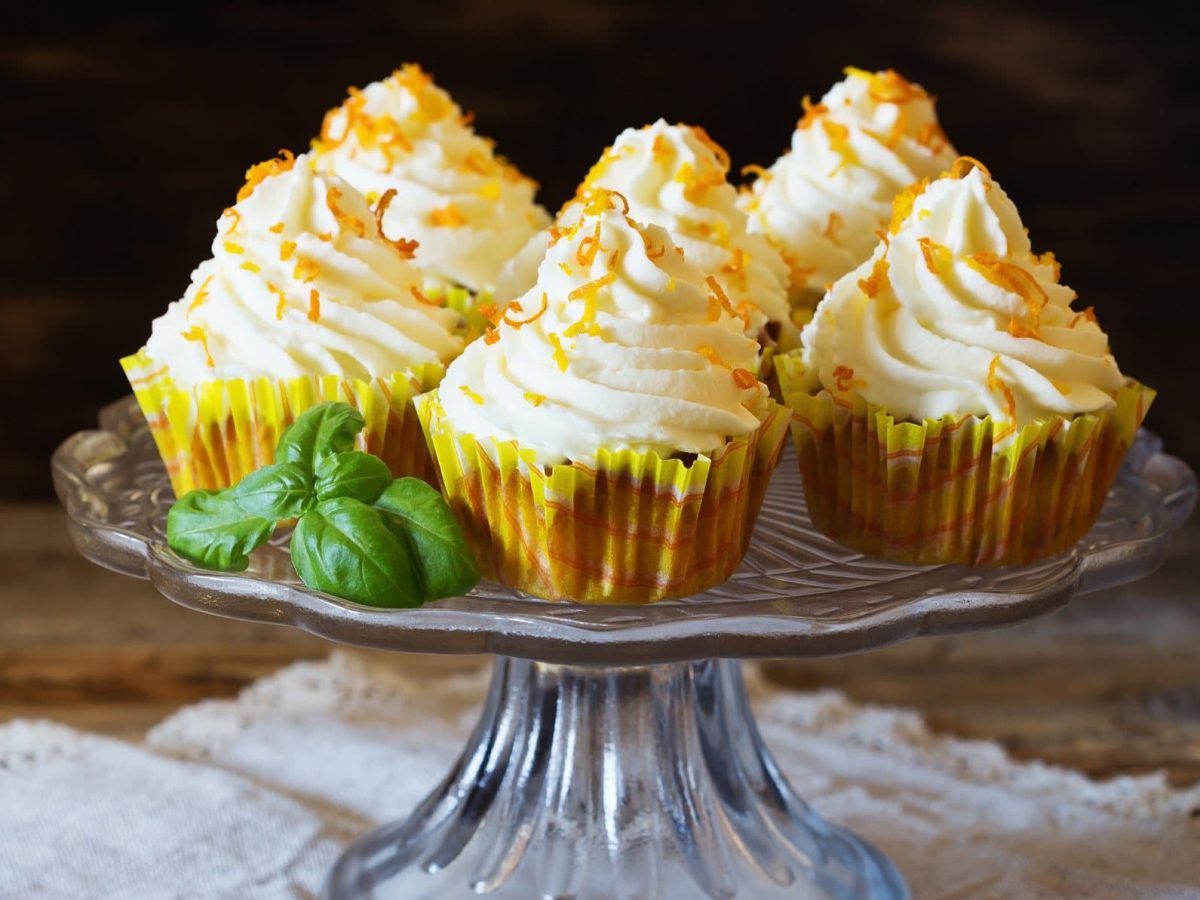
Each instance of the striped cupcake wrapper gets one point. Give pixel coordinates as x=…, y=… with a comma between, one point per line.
x=937, y=492
x=633, y=529
x=216, y=433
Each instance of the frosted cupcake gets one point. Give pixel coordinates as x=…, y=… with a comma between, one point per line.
x=410, y=149
x=824, y=202
x=950, y=404
x=304, y=300
x=608, y=441
x=675, y=176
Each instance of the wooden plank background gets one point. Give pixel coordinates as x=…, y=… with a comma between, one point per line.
x=127, y=133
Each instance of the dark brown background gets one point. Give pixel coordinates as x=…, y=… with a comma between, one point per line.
x=125, y=136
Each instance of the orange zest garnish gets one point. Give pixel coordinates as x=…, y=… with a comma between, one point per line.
x=585, y=253
x=932, y=138
x=447, y=217
x=756, y=170
x=277, y=228
x=314, y=306
x=842, y=376
x=744, y=309
x=490, y=312
x=888, y=86
x=260, y=172
x=1088, y=315
x=237, y=219
x=798, y=273
x=534, y=399
x=933, y=253
x=405, y=248
x=560, y=358
x=471, y=394
x=281, y=301
x=696, y=184
x=1015, y=280
x=717, y=300
x=839, y=143
x=286, y=249
x=832, y=225
x=250, y=266
x=744, y=379
x=712, y=356
x=565, y=268
x=490, y=336
x=591, y=287
x=717, y=150
x=306, y=270
x=621, y=197
x=877, y=280
x=902, y=206
x=231, y=247
x=515, y=306
x=585, y=324
x=201, y=295
x=995, y=383
x=420, y=297
x=963, y=166
x=811, y=112
x=661, y=148
x=196, y=333
x=348, y=222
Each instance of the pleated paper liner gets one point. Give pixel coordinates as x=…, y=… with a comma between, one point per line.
x=938, y=492
x=214, y=434
x=635, y=529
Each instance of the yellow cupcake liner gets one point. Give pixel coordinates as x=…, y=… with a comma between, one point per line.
x=213, y=435
x=634, y=529
x=463, y=302
x=937, y=492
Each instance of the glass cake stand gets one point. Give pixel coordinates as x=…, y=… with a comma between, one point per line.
x=616, y=756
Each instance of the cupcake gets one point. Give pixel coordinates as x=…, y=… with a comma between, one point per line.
x=950, y=406
x=824, y=202
x=674, y=176
x=304, y=300
x=410, y=149
x=607, y=441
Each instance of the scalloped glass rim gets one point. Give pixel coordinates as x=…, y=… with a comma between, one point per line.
x=796, y=594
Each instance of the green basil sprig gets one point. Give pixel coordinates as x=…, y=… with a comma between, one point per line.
x=359, y=535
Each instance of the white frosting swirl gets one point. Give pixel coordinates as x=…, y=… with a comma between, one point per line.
x=633, y=348
x=468, y=209
x=301, y=282
x=955, y=315
x=824, y=202
x=675, y=176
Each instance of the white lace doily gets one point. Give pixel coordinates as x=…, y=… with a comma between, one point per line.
x=253, y=798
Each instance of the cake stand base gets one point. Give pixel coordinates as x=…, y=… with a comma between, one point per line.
x=597, y=783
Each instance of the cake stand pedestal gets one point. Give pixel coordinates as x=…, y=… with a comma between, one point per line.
x=616, y=756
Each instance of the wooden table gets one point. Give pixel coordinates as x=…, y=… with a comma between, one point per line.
x=1109, y=685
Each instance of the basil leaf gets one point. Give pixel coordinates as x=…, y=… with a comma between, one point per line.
x=281, y=491
x=343, y=547
x=211, y=529
x=319, y=432
x=352, y=474
x=445, y=562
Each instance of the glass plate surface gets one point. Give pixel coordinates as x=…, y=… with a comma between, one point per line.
x=797, y=593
